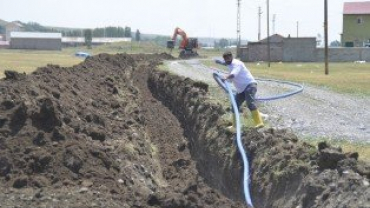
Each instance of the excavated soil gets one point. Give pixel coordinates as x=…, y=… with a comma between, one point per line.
x=114, y=131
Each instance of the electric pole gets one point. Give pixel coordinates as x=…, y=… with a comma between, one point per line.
x=259, y=23
x=238, y=31
x=268, y=33
x=273, y=23
x=297, y=28
x=326, y=37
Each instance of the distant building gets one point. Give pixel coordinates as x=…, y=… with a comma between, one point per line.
x=299, y=50
x=12, y=27
x=356, y=24
x=36, y=41
x=281, y=49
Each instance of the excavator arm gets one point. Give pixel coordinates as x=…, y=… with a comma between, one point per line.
x=183, y=35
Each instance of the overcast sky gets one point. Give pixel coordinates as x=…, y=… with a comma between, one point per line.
x=199, y=18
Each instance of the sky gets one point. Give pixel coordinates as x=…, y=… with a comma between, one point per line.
x=198, y=18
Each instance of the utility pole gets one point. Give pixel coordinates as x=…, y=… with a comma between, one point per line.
x=268, y=34
x=259, y=23
x=297, y=28
x=273, y=23
x=238, y=31
x=326, y=37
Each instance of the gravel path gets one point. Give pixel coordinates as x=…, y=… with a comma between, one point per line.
x=316, y=112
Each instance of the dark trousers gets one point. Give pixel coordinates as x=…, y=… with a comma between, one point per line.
x=247, y=95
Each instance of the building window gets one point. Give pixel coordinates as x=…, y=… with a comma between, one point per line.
x=360, y=20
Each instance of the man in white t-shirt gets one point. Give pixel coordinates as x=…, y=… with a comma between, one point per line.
x=245, y=84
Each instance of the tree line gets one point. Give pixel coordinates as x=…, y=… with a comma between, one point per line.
x=113, y=32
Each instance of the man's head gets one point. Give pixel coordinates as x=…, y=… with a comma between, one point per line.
x=228, y=57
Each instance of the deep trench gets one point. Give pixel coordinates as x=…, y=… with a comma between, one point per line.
x=187, y=102
x=285, y=172
x=208, y=164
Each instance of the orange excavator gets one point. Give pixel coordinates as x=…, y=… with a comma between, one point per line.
x=188, y=46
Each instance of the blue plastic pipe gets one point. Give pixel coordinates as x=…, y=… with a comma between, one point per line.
x=246, y=180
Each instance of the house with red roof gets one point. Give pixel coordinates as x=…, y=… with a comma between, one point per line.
x=356, y=24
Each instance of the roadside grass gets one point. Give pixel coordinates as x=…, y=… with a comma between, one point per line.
x=362, y=148
x=348, y=77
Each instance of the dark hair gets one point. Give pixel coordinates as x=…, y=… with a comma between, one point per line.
x=227, y=54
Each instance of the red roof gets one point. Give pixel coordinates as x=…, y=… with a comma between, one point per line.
x=356, y=7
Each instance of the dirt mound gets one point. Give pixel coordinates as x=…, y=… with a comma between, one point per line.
x=89, y=136
x=99, y=135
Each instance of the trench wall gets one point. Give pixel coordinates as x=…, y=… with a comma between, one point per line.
x=199, y=118
x=284, y=171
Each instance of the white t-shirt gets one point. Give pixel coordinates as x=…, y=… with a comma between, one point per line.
x=242, y=76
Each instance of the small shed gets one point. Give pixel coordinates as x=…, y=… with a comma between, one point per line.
x=36, y=41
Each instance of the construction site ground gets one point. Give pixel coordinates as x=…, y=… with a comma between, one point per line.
x=114, y=131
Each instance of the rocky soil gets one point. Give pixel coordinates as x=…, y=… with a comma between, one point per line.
x=114, y=131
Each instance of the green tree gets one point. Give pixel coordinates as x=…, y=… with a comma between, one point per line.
x=137, y=35
x=223, y=43
x=88, y=37
x=98, y=32
x=128, y=32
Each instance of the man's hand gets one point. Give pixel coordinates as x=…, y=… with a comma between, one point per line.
x=219, y=62
x=224, y=77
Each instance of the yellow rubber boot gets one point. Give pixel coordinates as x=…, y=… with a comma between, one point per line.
x=233, y=126
x=257, y=119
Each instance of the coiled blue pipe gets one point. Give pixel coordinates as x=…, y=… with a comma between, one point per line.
x=247, y=194
x=298, y=90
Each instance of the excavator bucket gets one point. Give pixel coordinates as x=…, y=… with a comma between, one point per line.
x=170, y=44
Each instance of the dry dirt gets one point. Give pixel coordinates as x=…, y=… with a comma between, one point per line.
x=114, y=131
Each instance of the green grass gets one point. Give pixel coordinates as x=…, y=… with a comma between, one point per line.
x=347, y=77
x=362, y=148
